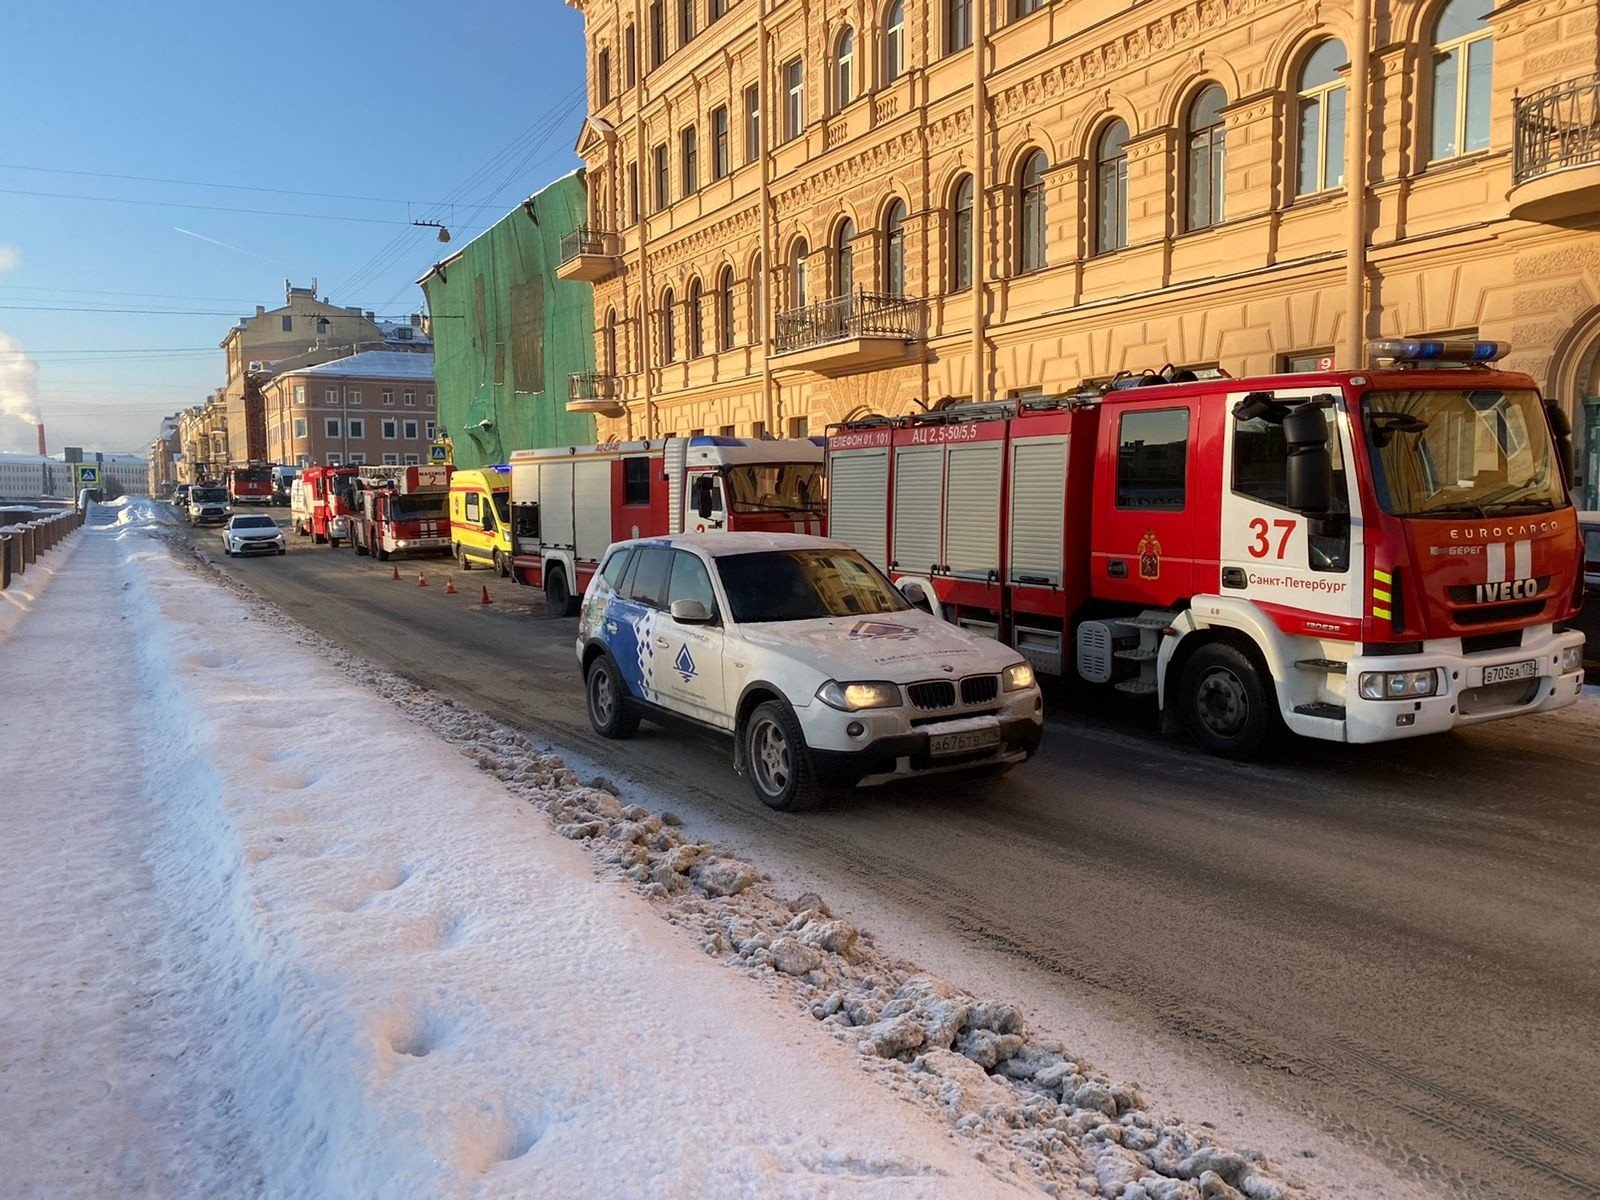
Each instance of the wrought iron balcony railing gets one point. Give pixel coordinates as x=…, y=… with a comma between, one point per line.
x=845, y=318
x=1557, y=127
x=591, y=386
x=586, y=240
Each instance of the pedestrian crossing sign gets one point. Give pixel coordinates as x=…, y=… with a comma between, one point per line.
x=88, y=475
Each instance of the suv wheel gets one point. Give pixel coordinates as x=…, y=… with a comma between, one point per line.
x=609, y=711
x=775, y=755
x=462, y=559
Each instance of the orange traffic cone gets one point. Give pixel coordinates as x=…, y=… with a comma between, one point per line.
x=486, y=599
x=449, y=586
x=422, y=579
x=397, y=572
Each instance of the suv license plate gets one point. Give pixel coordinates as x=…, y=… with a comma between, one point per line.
x=1511, y=672
x=965, y=742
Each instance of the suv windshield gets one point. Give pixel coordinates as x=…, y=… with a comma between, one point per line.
x=209, y=495
x=1470, y=452
x=803, y=585
x=254, y=523
x=775, y=487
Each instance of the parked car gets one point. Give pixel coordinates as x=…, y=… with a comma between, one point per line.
x=208, y=504
x=254, y=534
x=820, y=669
x=180, y=496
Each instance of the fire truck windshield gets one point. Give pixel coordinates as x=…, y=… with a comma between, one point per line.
x=804, y=585
x=776, y=487
x=412, y=507
x=1473, y=452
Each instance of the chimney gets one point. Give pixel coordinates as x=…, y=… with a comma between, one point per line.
x=42, y=452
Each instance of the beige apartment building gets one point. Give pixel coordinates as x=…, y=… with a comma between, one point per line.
x=376, y=407
x=801, y=213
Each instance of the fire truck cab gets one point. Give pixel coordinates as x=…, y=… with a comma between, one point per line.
x=569, y=504
x=319, y=504
x=401, y=510
x=1357, y=556
x=250, y=484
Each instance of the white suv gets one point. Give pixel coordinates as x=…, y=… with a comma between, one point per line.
x=816, y=664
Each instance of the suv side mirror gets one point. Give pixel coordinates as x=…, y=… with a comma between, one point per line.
x=690, y=612
x=1308, y=472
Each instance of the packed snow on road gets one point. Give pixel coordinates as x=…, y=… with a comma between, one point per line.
x=286, y=925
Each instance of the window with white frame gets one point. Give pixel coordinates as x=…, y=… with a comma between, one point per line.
x=894, y=42
x=331, y=396
x=335, y=459
x=844, y=68
x=1111, y=189
x=958, y=25
x=411, y=399
x=794, y=99
x=330, y=427
x=1031, y=245
x=427, y=401
x=304, y=460
x=299, y=394
x=427, y=430
x=961, y=236
x=411, y=430
x=358, y=460
x=391, y=460
x=1463, y=67
x=388, y=398
x=355, y=395
x=1207, y=158
x=389, y=428
x=411, y=460
x=894, y=249
x=1321, y=112
x=299, y=427
x=357, y=427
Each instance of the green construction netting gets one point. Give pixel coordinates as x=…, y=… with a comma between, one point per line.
x=507, y=333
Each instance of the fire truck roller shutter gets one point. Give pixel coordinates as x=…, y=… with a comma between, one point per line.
x=972, y=510
x=555, y=504
x=674, y=462
x=918, y=506
x=858, y=502
x=591, y=498
x=1038, y=501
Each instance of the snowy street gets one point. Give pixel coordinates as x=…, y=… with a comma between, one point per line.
x=274, y=937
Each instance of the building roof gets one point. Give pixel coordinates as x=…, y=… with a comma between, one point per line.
x=374, y=364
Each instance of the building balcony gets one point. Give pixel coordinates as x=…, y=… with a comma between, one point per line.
x=1556, y=167
x=589, y=254
x=592, y=392
x=849, y=333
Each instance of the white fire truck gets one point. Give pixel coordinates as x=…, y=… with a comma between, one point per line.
x=400, y=510
x=1353, y=555
x=568, y=504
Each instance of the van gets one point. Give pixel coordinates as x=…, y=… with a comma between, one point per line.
x=480, y=518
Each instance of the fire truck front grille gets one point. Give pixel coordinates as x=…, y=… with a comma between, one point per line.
x=929, y=696
x=979, y=689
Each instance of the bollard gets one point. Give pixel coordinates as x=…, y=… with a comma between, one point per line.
x=5, y=561
x=30, y=545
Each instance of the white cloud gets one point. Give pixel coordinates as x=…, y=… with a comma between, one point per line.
x=8, y=259
x=19, y=375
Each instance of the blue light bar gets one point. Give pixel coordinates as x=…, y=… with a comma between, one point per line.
x=714, y=439
x=1437, y=350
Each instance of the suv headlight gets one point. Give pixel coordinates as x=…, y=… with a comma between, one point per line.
x=851, y=697
x=1018, y=677
x=1571, y=659
x=1398, y=685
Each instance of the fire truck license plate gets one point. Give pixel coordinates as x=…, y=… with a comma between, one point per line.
x=1511, y=671
x=965, y=742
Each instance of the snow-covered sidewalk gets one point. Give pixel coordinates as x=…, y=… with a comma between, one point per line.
x=269, y=937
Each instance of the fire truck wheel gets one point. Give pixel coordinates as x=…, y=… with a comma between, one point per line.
x=776, y=757
x=501, y=567
x=608, y=707
x=383, y=555
x=1226, y=704
x=361, y=549
x=559, y=597
x=333, y=542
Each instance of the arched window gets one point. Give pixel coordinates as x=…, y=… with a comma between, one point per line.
x=894, y=41
x=1207, y=154
x=797, y=275
x=669, y=348
x=609, y=345
x=725, y=309
x=844, y=68
x=1321, y=119
x=961, y=236
x=696, y=325
x=1111, y=188
x=1463, y=62
x=894, y=249
x=1031, y=212
x=844, y=269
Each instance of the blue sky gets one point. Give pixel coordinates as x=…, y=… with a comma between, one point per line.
x=476, y=102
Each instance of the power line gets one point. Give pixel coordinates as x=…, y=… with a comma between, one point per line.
x=254, y=212
x=233, y=187
x=25, y=287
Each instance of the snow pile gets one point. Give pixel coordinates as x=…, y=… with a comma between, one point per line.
x=1024, y=1101
x=280, y=942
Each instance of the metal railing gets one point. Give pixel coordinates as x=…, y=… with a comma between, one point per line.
x=591, y=386
x=858, y=315
x=1556, y=127
x=586, y=239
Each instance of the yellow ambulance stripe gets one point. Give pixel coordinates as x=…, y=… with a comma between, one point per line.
x=1382, y=576
x=1381, y=595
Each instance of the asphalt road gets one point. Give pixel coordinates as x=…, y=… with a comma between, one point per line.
x=1398, y=942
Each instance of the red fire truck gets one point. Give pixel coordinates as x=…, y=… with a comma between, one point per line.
x=250, y=485
x=401, y=510
x=569, y=503
x=1352, y=555
x=320, y=503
